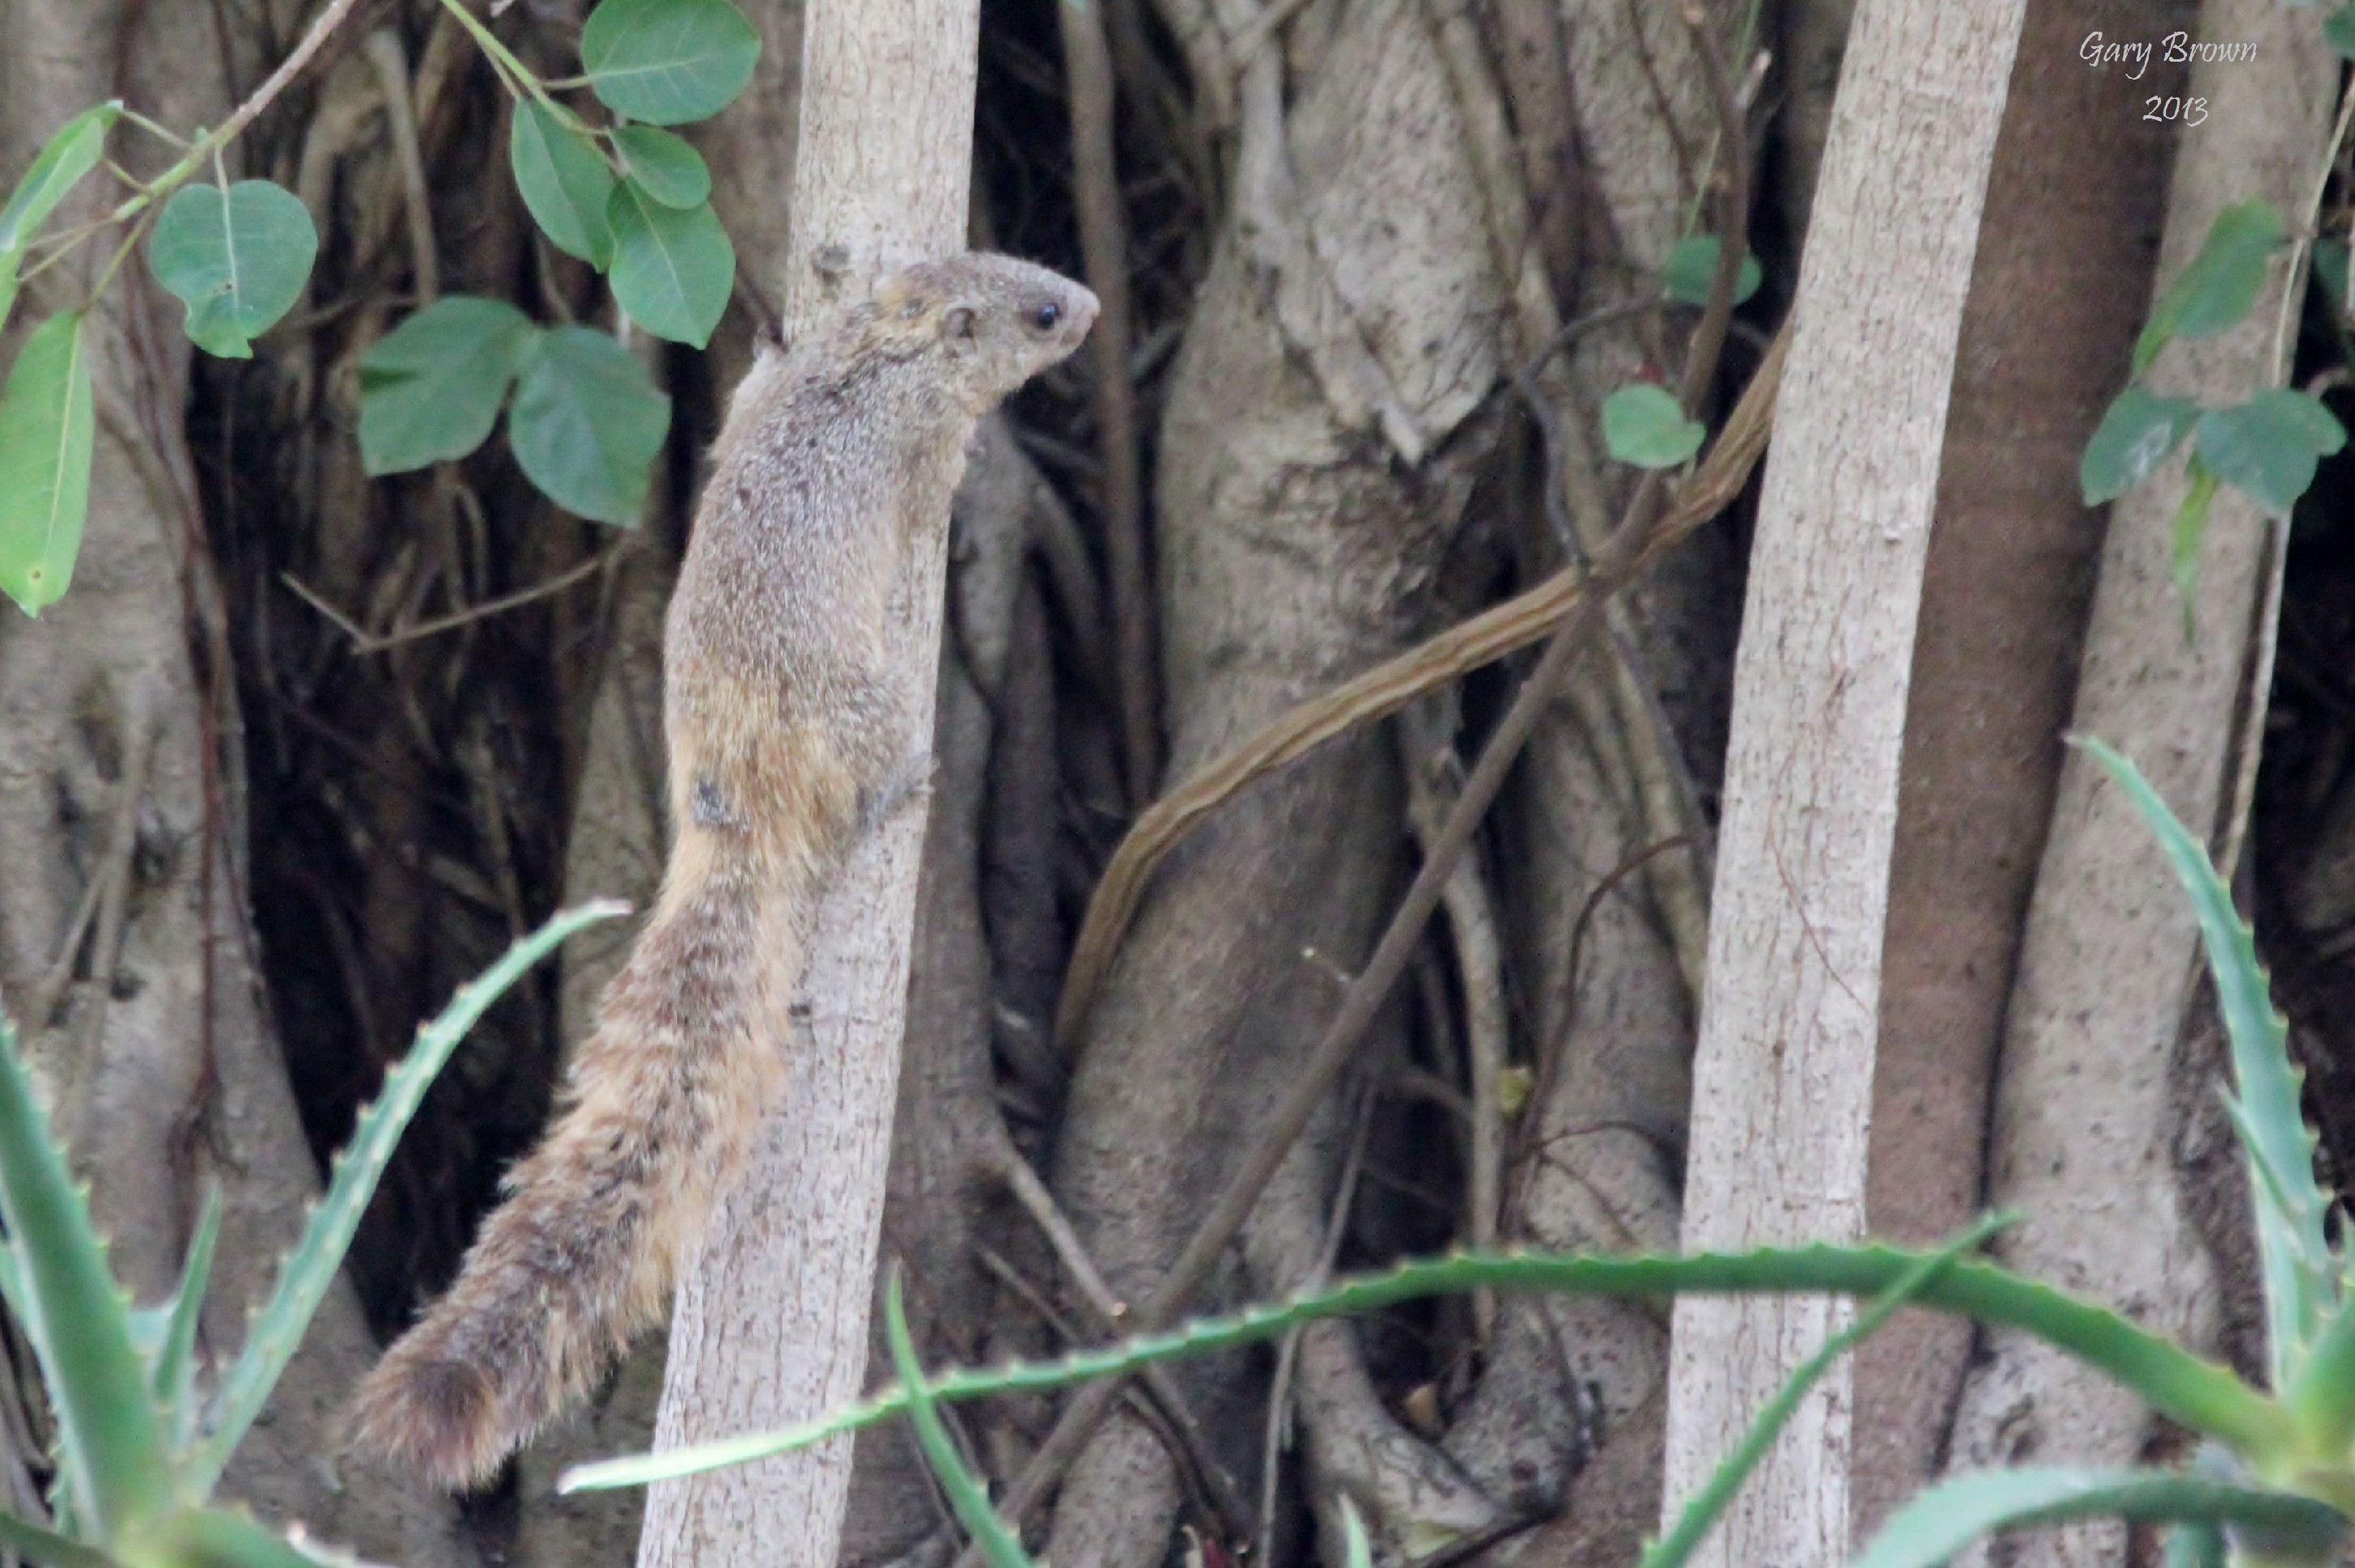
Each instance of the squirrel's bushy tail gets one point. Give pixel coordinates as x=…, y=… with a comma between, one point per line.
x=664, y=1097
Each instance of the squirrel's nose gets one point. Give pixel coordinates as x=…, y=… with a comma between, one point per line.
x=1084, y=306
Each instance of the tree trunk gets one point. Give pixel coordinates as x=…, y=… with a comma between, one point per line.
x=2087, y=1106
x=1782, y=1071
x=771, y=1325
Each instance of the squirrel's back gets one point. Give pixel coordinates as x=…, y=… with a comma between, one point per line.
x=787, y=731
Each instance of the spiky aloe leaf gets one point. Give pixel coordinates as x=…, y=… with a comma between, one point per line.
x=1703, y=1509
x=219, y=1539
x=1948, y=1517
x=1357, y=1551
x=2300, y=1278
x=112, y=1444
x=310, y=1268
x=176, y=1359
x=2197, y=1393
x=45, y=1547
x=966, y=1496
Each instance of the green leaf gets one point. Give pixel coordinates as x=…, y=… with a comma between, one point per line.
x=1357, y=1551
x=2218, y=286
x=112, y=1444
x=174, y=1373
x=667, y=61
x=216, y=1537
x=2267, y=446
x=2339, y=30
x=1643, y=425
x=564, y=181
x=46, y=1548
x=1691, y=272
x=2191, y=527
x=2193, y=1392
x=45, y=431
x=2134, y=438
x=56, y=169
x=2193, y=1546
x=237, y=262
x=310, y=1268
x=1706, y=1506
x=2300, y=1281
x=672, y=269
x=663, y=165
x=1942, y=1521
x=588, y=424
x=998, y=1541
x=430, y=388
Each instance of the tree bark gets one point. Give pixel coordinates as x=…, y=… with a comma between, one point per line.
x=771, y=1324
x=1782, y=1071
x=2087, y=1106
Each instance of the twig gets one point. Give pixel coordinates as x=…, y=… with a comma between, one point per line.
x=110, y=878
x=366, y=642
x=1624, y=554
x=1104, y=247
x=1287, y=1353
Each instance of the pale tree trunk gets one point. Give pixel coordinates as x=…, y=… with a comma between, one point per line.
x=122, y=783
x=1782, y=1071
x=2087, y=1108
x=771, y=1325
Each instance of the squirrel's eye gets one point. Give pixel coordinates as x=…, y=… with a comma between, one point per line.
x=1049, y=314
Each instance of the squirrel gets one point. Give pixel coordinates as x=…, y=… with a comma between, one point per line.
x=787, y=738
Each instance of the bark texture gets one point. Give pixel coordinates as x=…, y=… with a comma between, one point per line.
x=2085, y=1119
x=1783, y=1070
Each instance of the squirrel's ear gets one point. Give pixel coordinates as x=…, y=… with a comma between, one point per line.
x=957, y=326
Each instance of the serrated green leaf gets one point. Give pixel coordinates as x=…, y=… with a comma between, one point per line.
x=112, y=1444
x=673, y=269
x=1942, y=1521
x=564, y=183
x=45, y=1547
x=71, y=152
x=237, y=262
x=310, y=1268
x=175, y=1376
x=217, y=1538
x=2134, y=438
x=588, y=425
x=664, y=167
x=2191, y=527
x=1691, y=271
x=430, y=388
x=667, y=61
x=2339, y=30
x=2196, y=1394
x=2218, y=287
x=45, y=431
x=2266, y=447
x=998, y=1541
x=1703, y=1509
x=1643, y=425
x=2300, y=1281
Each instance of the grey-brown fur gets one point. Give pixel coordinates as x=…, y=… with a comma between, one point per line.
x=786, y=730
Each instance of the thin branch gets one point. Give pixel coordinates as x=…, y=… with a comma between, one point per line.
x=368, y=642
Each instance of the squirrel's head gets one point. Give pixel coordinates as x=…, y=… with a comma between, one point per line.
x=994, y=321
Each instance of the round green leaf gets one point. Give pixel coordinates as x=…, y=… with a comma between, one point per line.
x=1643, y=424
x=663, y=165
x=430, y=388
x=2218, y=287
x=2134, y=437
x=1692, y=266
x=238, y=261
x=667, y=61
x=564, y=183
x=587, y=425
x=672, y=268
x=45, y=454
x=2339, y=30
x=2267, y=446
